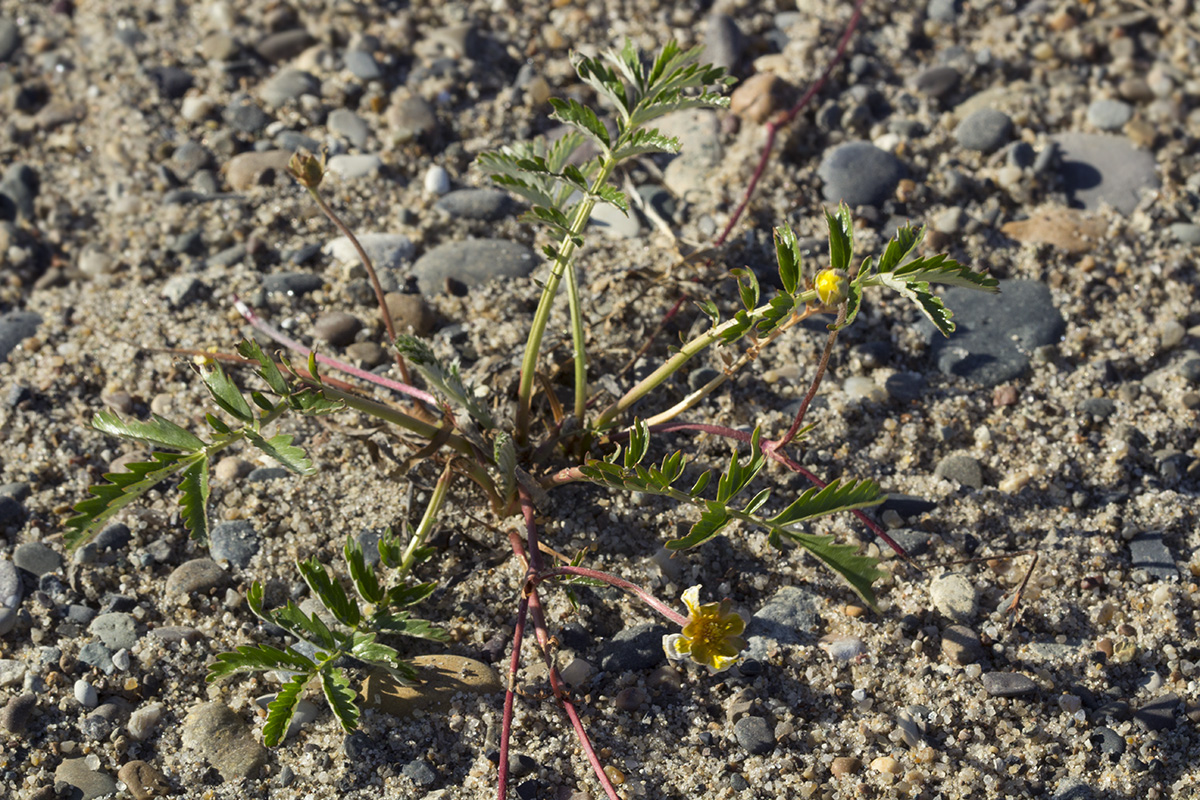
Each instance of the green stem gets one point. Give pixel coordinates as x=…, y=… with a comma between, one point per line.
x=431, y=512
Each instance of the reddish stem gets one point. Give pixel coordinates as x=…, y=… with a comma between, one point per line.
x=647, y=598
x=786, y=119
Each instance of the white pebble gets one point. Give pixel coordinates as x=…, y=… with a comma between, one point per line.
x=437, y=180
x=843, y=648
x=121, y=659
x=1161, y=595
x=196, y=107
x=142, y=722
x=85, y=693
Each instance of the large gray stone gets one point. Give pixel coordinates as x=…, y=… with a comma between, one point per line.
x=859, y=173
x=1098, y=169
x=473, y=262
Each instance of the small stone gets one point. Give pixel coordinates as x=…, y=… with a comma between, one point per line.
x=1109, y=115
x=943, y=10
x=754, y=735
x=481, y=204
x=984, y=130
x=116, y=629
x=724, y=41
x=1148, y=552
x=1108, y=742
x=288, y=85
x=842, y=648
x=759, y=97
x=845, y=765
x=1185, y=232
x=15, y=327
x=362, y=65
x=37, y=558
x=353, y=167
x=954, y=596
x=172, y=82
x=437, y=180
x=387, y=251
x=905, y=387
x=247, y=170
x=197, y=575
x=1007, y=684
x=284, y=45
x=410, y=117
x=17, y=712
x=86, y=694
x=220, y=737
x=861, y=388
x=230, y=468
x=1098, y=408
x=143, y=721
x=422, y=773
x=236, y=542
x=350, y=126
x=936, y=81
x=859, y=173
x=337, y=327
x=442, y=677
x=1159, y=714
x=961, y=645
x=473, y=262
x=368, y=354
x=631, y=698
x=962, y=469
x=144, y=780
x=887, y=764
x=577, y=673
x=10, y=38
x=410, y=313
x=87, y=783
x=634, y=649
x=1099, y=168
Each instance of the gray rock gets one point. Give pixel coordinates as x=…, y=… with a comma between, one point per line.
x=1159, y=714
x=197, y=575
x=294, y=140
x=116, y=629
x=172, y=82
x=1098, y=408
x=1098, y=169
x=387, y=251
x=1185, y=232
x=754, y=735
x=614, y=224
x=787, y=618
x=481, y=204
x=859, y=173
x=74, y=778
x=182, y=290
x=362, y=65
x=960, y=468
x=905, y=386
x=11, y=593
x=236, y=542
x=247, y=117
x=1108, y=742
x=86, y=694
x=411, y=117
x=350, y=126
x=936, y=81
x=11, y=512
x=1148, y=552
x=1109, y=115
x=955, y=597
x=17, y=712
x=37, y=558
x=421, y=772
x=95, y=654
x=266, y=474
x=10, y=38
x=724, y=41
x=473, y=262
x=21, y=185
x=984, y=130
x=1020, y=155
x=219, y=736
x=961, y=645
x=288, y=85
x=1008, y=684
x=943, y=10
x=284, y=45
x=15, y=327
x=351, y=167
x=337, y=328
x=635, y=649
x=995, y=332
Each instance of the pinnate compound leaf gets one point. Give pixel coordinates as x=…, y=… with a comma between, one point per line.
x=367, y=649
x=340, y=697
x=258, y=658
x=282, y=709
x=537, y=195
x=841, y=237
x=645, y=140
x=268, y=371
x=366, y=583
x=833, y=498
x=313, y=403
x=900, y=247
x=712, y=521
x=329, y=592
x=639, y=443
x=158, y=432
x=193, y=497
x=281, y=449
x=225, y=393
x=401, y=623
x=404, y=596
x=944, y=270
x=858, y=570
x=122, y=489
x=613, y=196
x=930, y=304
x=581, y=117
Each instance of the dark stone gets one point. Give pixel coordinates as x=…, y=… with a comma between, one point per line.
x=1147, y=551
x=1008, y=684
x=635, y=649
x=1108, y=742
x=1159, y=714
x=859, y=173
x=172, y=82
x=15, y=327
x=754, y=735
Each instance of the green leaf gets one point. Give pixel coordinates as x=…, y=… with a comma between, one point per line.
x=639, y=443
x=757, y=502
x=944, y=270
x=853, y=303
x=282, y=709
x=605, y=81
x=930, y=305
x=701, y=483
x=329, y=592
x=645, y=140
x=404, y=596
x=258, y=658
x=835, y=497
x=340, y=697
x=859, y=571
x=281, y=449
x=366, y=583
x=217, y=425
x=260, y=400
x=270, y=373
x=391, y=549
x=367, y=649
x=158, y=432
x=535, y=194
x=400, y=623
x=311, y=402
x=123, y=488
x=712, y=521
x=583, y=118
x=841, y=237
x=193, y=487
x=292, y=619
x=225, y=393
x=504, y=453
x=787, y=253
x=613, y=196
x=900, y=247
x=747, y=287
x=710, y=310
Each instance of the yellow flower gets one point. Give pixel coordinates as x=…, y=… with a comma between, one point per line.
x=833, y=286
x=712, y=635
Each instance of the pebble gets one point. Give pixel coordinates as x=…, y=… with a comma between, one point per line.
x=859, y=173
x=1070, y=230
x=17, y=711
x=37, y=558
x=943, y=10
x=1100, y=168
x=387, y=251
x=845, y=765
x=236, y=542
x=984, y=130
x=172, y=82
x=422, y=773
x=861, y=388
x=87, y=782
x=442, y=677
x=116, y=630
x=197, y=575
x=21, y=184
x=10, y=39
x=961, y=645
x=473, y=262
x=759, y=97
x=1108, y=742
x=1007, y=684
x=631, y=698
x=182, y=290
x=337, y=327
x=350, y=126
x=1148, y=552
x=634, y=649
x=724, y=42
x=266, y=474
x=143, y=721
x=367, y=354
x=754, y=735
x=410, y=313
x=577, y=673
x=410, y=116
x=962, y=469
x=362, y=65
x=936, y=81
x=788, y=617
x=481, y=204
x=287, y=86
x=1109, y=115
x=11, y=593
x=144, y=780
x=1159, y=714
x=215, y=733
x=954, y=597
x=15, y=327
x=995, y=332
x=612, y=223
x=247, y=170
x=284, y=45
x=86, y=694
x=437, y=180
x=291, y=284
x=906, y=387
x=842, y=648
x=1186, y=232
x=351, y=167
x=887, y=764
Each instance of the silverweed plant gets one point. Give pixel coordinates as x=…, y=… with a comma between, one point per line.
x=589, y=439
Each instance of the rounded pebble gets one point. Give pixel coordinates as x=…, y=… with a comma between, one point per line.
x=984, y=130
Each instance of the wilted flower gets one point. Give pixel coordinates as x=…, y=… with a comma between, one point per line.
x=712, y=635
x=307, y=169
x=833, y=286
